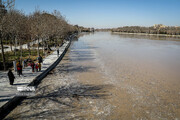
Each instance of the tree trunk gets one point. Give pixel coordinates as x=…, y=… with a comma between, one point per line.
x=20, y=45
x=43, y=45
x=29, y=48
x=11, y=42
x=11, y=47
x=38, y=47
x=15, y=45
x=2, y=52
x=21, y=50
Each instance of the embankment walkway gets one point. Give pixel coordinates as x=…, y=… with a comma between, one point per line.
x=8, y=91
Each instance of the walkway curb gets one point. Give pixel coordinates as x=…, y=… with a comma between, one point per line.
x=12, y=103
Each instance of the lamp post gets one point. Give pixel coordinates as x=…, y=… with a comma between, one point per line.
x=2, y=13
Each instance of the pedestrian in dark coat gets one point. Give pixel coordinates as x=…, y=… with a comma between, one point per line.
x=11, y=77
x=58, y=52
x=40, y=59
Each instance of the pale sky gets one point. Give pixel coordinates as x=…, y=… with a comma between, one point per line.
x=109, y=13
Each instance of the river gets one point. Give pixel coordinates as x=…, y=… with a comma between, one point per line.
x=106, y=75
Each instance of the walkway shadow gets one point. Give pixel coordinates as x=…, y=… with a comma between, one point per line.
x=4, y=100
x=21, y=84
x=61, y=102
x=5, y=95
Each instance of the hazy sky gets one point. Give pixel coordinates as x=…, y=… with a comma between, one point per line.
x=110, y=13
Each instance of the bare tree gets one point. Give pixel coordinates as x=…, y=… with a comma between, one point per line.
x=3, y=9
x=19, y=28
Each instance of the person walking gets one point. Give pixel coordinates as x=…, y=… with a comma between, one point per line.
x=39, y=65
x=32, y=66
x=25, y=62
x=40, y=59
x=36, y=67
x=58, y=52
x=11, y=77
x=17, y=64
x=19, y=68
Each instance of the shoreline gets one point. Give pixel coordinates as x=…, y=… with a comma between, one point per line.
x=146, y=34
x=49, y=63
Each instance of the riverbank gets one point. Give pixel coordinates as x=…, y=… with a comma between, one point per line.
x=8, y=91
x=146, y=34
x=28, y=78
x=108, y=77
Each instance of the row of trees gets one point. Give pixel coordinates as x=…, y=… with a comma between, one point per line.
x=18, y=28
x=156, y=29
x=84, y=29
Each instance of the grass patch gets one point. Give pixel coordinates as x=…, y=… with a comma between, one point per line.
x=10, y=56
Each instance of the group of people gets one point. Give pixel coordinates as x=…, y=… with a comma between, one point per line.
x=37, y=66
x=19, y=67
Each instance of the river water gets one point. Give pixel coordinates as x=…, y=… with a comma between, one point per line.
x=106, y=75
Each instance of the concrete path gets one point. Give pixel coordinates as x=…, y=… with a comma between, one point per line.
x=7, y=91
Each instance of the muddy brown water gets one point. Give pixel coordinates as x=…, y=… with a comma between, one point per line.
x=109, y=76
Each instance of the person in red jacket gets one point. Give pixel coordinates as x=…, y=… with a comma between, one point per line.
x=32, y=66
x=19, y=68
x=36, y=66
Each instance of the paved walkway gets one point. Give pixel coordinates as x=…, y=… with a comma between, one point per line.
x=7, y=91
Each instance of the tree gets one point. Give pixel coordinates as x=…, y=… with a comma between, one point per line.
x=20, y=28
x=3, y=10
